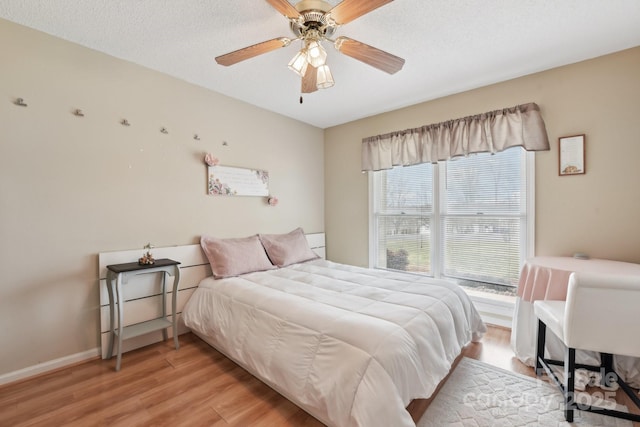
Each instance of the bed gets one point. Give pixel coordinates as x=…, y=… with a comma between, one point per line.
x=351, y=346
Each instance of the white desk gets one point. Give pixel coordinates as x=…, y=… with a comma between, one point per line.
x=119, y=274
x=547, y=278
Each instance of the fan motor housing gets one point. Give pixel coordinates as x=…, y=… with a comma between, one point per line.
x=314, y=16
x=317, y=5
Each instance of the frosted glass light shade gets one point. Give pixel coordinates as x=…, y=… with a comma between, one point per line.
x=316, y=55
x=299, y=63
x=324, y=79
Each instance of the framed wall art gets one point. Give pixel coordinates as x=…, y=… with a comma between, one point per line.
x=571, y=159
x=234, y=181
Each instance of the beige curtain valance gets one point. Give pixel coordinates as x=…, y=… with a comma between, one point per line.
x=519, y=126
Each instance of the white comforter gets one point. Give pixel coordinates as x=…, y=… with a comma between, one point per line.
x=351, y=346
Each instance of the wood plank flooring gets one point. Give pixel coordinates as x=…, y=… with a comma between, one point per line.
x=195, y=386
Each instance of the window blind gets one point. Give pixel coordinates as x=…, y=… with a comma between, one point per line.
x=404, y=209
x=470, y=223
x=483, y=215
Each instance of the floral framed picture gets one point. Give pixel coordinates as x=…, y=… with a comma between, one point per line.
x=571, y=158
x=233, y=181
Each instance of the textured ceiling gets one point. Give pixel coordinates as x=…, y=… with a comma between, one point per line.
x=449, y=45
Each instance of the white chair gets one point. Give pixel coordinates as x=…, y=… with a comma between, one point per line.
x=600, y=314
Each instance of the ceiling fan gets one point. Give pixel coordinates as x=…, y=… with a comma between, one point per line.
x=313, y=22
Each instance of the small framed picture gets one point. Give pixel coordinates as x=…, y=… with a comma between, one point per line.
x=571, y=155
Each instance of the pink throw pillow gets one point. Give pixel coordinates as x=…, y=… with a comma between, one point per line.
x=232, y=257
x=287, y=249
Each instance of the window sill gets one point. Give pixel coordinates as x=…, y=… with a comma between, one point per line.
x=494, y=309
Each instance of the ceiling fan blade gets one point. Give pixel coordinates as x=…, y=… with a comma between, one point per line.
x=369, y=55
x=251, y=51
x=348, y=10
x=309, y=81
x=285, y=8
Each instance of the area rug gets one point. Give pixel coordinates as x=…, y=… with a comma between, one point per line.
x=477, y=394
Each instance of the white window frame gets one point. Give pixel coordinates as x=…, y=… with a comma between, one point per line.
x=497, y=310
x=527, y=250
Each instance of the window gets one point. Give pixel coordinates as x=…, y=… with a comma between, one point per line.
x=468, y=219
x=404, y=214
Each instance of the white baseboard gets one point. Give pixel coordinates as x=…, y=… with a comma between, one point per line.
x=494, y=309
x=51, y=365
x=63, y=362
x=490, y=319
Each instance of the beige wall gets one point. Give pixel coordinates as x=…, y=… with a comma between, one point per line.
x=596, y=213
x=72, y=187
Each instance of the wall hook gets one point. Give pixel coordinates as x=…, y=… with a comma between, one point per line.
x=125, y=122
x=163, y=130
x=20, y=102
x=224, y=143
x=196, y=137
x=78, y=113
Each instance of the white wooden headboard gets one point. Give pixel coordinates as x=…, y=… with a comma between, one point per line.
x=143, y=293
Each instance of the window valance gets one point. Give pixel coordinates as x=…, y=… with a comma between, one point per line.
x=492, y=132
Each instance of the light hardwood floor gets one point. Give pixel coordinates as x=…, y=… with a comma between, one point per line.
x=194, y=386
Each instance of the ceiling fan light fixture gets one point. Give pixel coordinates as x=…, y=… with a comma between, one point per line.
x=316, y=55
x=324, y=78
x=313, y=22
x=299, y=63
